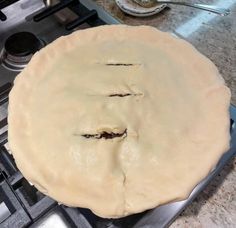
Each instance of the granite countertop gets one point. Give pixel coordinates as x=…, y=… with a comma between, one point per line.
x=215, y=37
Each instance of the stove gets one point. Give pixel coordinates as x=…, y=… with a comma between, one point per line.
x=40, y=25
x=25, y=27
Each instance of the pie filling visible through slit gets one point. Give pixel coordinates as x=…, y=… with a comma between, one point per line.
x=118, y=119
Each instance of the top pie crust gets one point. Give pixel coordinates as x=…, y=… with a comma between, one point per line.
x=118, y=119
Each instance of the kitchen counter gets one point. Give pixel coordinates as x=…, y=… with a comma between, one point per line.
x=215, y=37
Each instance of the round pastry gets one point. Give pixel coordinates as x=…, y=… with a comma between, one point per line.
x=118, y=119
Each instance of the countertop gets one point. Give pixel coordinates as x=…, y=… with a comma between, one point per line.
x=215, y=37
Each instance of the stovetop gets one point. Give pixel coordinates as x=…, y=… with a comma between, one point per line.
x=20, y=17
x=21, y=204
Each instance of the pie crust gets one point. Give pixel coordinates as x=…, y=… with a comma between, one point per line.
x=118, y=119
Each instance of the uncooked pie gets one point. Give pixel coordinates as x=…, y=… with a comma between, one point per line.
x=118, y=119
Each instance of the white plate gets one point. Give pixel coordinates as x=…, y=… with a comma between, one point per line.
x=132, y=8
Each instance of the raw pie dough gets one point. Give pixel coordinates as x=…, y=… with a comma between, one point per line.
x=118, y=119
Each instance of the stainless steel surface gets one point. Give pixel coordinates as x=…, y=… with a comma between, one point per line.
x=64, y=16
x=101, y=13
x=52, y=220
x=210, y=8
x=13, y=63
x=89, y=4
x=67, y=15
x=55, y=219
x=4, y=212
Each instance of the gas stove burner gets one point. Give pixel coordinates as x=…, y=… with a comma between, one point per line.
x=19, y=49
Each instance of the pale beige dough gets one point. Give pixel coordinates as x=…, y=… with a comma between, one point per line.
x=164, y=102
